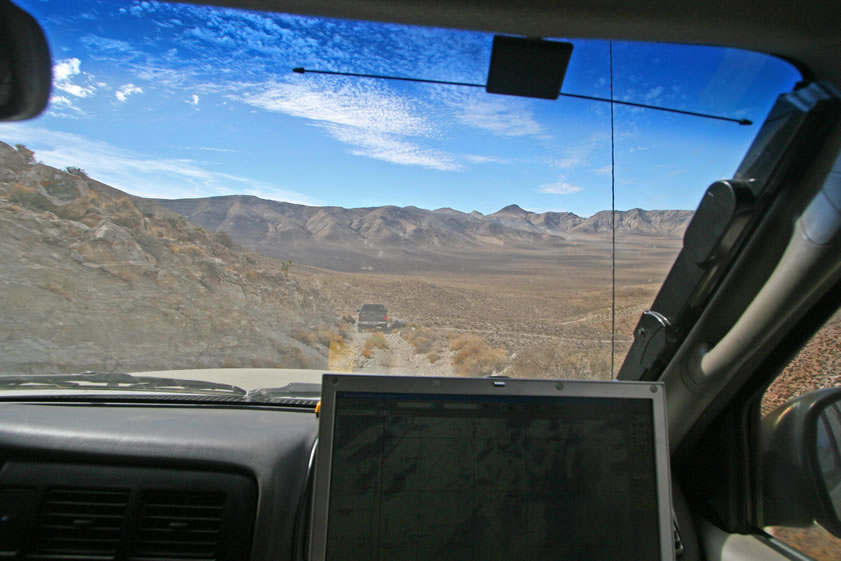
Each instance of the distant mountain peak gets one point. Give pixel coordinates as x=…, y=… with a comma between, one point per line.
x=511, y=209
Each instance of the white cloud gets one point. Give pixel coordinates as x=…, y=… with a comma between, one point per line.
x=209, y=149
x=358, y=105
x=476, y=159
x=374, y=122
x=604, y=170
x=653, y=95
x=65, y=71
x=139, y=173
x=106, y=44
x=126, y=90
x=502, y=117
x=62, y=101
x=580, y=153
x=390, y=148
x=63, y=106
x=194, y=100
x=560, y=187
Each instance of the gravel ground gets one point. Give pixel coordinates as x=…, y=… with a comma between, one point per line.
x=398, y=358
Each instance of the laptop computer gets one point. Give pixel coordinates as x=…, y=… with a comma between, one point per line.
x=416, y=468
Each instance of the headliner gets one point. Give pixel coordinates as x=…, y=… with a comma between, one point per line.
x=807, y=33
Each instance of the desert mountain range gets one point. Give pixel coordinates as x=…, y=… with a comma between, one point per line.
x=369, y=238
x=98, y=279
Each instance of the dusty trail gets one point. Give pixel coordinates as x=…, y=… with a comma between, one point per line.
x=397, y=358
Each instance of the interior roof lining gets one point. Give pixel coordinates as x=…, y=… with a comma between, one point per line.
x=804, y=33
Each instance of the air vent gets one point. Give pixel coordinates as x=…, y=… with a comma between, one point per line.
x=175, y=525
x=81, y=522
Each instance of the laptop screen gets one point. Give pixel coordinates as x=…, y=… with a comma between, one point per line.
x=525, y=471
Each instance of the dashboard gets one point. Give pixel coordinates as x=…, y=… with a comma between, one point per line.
x=118, y=481
x=115, y=481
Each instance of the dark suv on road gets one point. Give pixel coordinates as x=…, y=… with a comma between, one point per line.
x=372, y=316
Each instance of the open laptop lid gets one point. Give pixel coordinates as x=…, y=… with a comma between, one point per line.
x=454, y=468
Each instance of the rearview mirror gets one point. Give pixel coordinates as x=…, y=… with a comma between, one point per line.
x=25, y=65
x=801, y=462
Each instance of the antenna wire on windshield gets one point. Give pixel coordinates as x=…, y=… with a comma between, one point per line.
x=612, y=228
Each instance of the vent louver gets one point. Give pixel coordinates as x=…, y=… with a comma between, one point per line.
x=81, y=522
x=174, y=525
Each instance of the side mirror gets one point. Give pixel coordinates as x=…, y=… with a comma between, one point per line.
x=801, y=462
x=25, y=65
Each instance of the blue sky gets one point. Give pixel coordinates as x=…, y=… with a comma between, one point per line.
x=166, y=100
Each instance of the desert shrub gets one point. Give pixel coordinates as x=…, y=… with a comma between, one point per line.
x=230, y=361
x=222, y=237
x=78, y=172
x=196, y=234
x=152, y=245
x=123, y=213
x=422, y=340
x=337, y=340
x=293, y=357
x=304, y=336
x=343, y=328
x=553, y=360
x=377, y=340
x=474, y=357
x=74, y=210
x=177, y=222
x=372, y=343
x=30, y=198
x=212, y=269
x=188, y=249
x=326, y=336
x=28, y=155
x=284, y=268
x=433, y=357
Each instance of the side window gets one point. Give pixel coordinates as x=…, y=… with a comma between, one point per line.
x=817, y=366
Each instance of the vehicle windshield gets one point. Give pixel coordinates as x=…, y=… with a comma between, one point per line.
x=187, y=201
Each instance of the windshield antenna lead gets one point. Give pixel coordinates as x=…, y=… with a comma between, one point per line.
x=743, y=122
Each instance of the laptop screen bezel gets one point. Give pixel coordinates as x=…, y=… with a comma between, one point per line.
x=654, y=392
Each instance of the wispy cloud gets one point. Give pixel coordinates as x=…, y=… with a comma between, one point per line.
x=66, y=71
x=500, y=116
x=653, y=95
x=560, y=187
x=477, y=159
x=138, y=173
x=63, y=106
x=580, y=153
x=208, y=149
x=126, y=90
x=390, y=148
x=374, y=122
x=109, y=47
x=194, y=100
x=359, y=105
x=604, y=170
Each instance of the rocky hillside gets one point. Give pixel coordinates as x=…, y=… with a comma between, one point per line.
x=358, y=238
x=96, y=280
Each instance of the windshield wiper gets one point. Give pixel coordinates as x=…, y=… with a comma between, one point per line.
x=301, y=390
x=116, y=381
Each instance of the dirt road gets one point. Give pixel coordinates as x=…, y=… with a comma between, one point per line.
x=397, y=358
